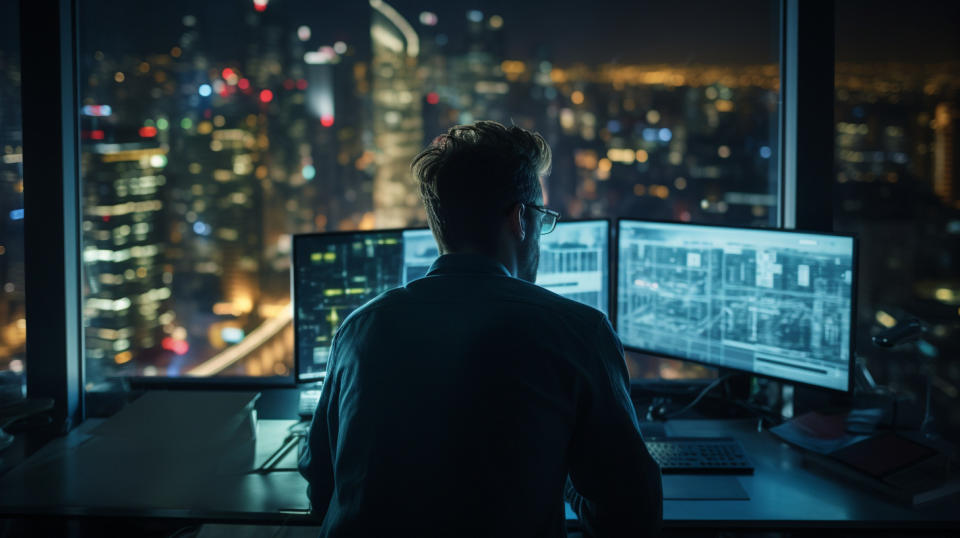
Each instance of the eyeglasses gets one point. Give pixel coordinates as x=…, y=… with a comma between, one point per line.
x=550, y=218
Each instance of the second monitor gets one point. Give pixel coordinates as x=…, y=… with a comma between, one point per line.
x=770, y=302
x=336, y=273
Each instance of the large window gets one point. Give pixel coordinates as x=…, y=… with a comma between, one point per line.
x=13, y=324
x=898, y=184
x=213, y=131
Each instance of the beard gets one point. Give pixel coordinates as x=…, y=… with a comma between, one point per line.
x=528, y=259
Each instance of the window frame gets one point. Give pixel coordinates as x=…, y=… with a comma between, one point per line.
x=49, y=100
x=49, y=57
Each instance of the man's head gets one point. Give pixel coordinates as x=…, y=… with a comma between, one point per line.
x=480, y=184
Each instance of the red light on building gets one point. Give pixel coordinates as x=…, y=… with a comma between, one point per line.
x=260, y=5
x=227, y=73
x=106, y=218
x=302, y=84
x=96, y=134
x=433, y=98
x=244, y=84
x=326, y=120
x=180, y=347
x=147, y=131
x=266, y=96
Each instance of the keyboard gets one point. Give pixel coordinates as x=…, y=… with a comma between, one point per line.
x=699, y=455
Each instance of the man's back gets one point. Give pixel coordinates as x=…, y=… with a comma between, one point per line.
x=458, y=404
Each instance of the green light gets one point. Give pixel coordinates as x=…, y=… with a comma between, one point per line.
x=163, y=124
x=309, y=172
x=186, y=123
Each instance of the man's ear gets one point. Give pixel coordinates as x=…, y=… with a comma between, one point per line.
x=517, y=225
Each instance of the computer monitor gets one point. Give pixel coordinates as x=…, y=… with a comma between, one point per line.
x=575, y=262
x=336, y=273
x=770, y=302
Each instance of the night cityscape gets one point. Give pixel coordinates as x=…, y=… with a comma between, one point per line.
x=208, y=142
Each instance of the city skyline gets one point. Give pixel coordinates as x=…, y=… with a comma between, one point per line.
x=258, y=142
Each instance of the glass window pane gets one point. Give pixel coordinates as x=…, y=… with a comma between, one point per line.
x=897, y=184
x=13, y=325
x=212, y=133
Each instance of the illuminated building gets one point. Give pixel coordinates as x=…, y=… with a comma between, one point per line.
x=122, y=252
x=216, y=218
x=945, y=149
x=12, y=305
x=397, y=116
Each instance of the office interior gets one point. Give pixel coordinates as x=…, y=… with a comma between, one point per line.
x=167, y=167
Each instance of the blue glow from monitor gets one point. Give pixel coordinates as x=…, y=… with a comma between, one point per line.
x=574, y=262
x=334, y=274
x=770, y=302
x=419, y=252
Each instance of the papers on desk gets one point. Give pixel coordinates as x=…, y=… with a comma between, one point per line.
x=818, y=433
x=177, y=451
x=213, y=429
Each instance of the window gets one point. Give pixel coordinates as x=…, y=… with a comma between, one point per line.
x=897, y=184
x=211, y=134
x=13, y=324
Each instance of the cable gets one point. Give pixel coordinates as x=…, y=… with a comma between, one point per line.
x=699, y=397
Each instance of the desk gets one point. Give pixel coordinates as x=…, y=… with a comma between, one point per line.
x=783, y=493
x=53, y=481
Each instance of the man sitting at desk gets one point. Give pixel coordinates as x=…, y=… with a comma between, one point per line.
x=459, y=404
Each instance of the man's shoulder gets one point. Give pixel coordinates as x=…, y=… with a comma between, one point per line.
x=511, y=292
x=558, y=304
x=387, y=298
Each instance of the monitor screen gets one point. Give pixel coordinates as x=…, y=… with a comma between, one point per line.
x=771, y=302
x=336, y=273
x=575, y=262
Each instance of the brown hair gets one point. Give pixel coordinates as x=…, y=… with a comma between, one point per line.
x=472, y=174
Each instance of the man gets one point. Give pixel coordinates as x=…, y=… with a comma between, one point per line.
x=458, y=404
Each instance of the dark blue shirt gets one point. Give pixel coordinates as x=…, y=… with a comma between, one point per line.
x=458, y=405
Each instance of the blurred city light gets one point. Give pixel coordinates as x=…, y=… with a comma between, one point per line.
x=231, y=335
x=428, y=18
x=98, y=111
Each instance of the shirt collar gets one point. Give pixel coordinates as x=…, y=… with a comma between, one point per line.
x=467, y=264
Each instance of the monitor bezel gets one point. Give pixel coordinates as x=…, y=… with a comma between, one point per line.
x=615, y=251
x=297, y=238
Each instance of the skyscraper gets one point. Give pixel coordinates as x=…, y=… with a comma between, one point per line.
x=397, y=116
x=122, y=251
